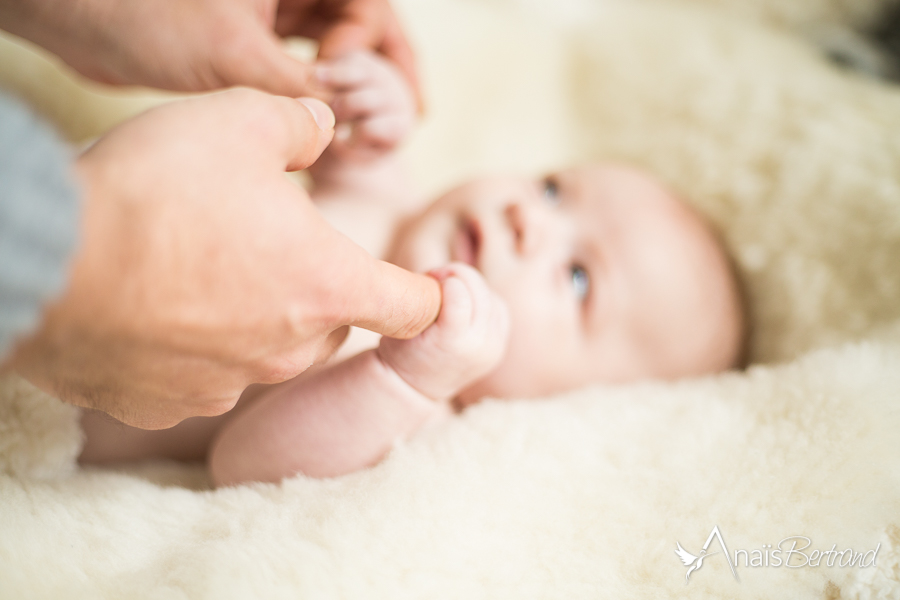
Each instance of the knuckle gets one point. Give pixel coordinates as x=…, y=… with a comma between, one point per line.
x=232, y=46
x=229, y=38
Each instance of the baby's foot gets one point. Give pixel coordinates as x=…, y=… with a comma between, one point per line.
x=465, y=343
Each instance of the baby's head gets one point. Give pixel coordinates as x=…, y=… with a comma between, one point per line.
x=608, y=277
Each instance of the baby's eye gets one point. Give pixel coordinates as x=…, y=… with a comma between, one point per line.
x=551, y=190
x=581, y=283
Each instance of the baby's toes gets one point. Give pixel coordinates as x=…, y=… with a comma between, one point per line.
x=385, y=130
x=348, y=71
x=356, y=104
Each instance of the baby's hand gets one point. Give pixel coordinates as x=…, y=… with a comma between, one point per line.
x=465, y=343
x=373, y=105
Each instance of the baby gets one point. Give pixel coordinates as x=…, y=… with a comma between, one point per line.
x=593, y=274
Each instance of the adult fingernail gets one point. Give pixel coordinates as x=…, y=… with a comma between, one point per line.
x=321, y=113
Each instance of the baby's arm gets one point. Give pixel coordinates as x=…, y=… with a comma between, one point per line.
x=348, y=416
x=375, y=110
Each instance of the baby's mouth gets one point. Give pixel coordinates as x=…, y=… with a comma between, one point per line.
x=466, y=242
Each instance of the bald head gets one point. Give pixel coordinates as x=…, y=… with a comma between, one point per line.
x=683, y=308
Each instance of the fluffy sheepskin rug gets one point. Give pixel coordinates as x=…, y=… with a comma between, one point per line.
x=778, y=477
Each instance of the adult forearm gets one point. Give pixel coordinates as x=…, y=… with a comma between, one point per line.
x=330, y=423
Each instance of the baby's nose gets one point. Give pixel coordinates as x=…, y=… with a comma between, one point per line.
x=523, y=222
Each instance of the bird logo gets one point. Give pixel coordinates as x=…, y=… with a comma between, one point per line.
x=695, y=562
x=689, y=560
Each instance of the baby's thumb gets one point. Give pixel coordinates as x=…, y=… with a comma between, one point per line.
x=457, y=306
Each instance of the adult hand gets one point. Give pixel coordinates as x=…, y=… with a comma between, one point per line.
x=203, y=269
x=198, y=45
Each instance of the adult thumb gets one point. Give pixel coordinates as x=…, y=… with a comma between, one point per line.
x=392, y=301
x=323, y=119
x=297, y=130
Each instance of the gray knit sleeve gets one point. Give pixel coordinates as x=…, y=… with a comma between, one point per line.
x=39, y=218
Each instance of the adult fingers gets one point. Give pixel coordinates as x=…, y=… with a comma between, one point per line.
x=256, y=58
x=323, y=119
x=296, y=130
x=392, y=301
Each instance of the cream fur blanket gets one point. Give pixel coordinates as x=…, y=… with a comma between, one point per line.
x=585, y=495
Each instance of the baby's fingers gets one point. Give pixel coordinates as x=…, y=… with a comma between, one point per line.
x=474, y=320
x=457, y=306
x=465, y=343
x=468, y=302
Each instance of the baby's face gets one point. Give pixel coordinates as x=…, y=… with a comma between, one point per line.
x=608, y=277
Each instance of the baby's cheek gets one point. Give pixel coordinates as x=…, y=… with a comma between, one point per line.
x=534, y=366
